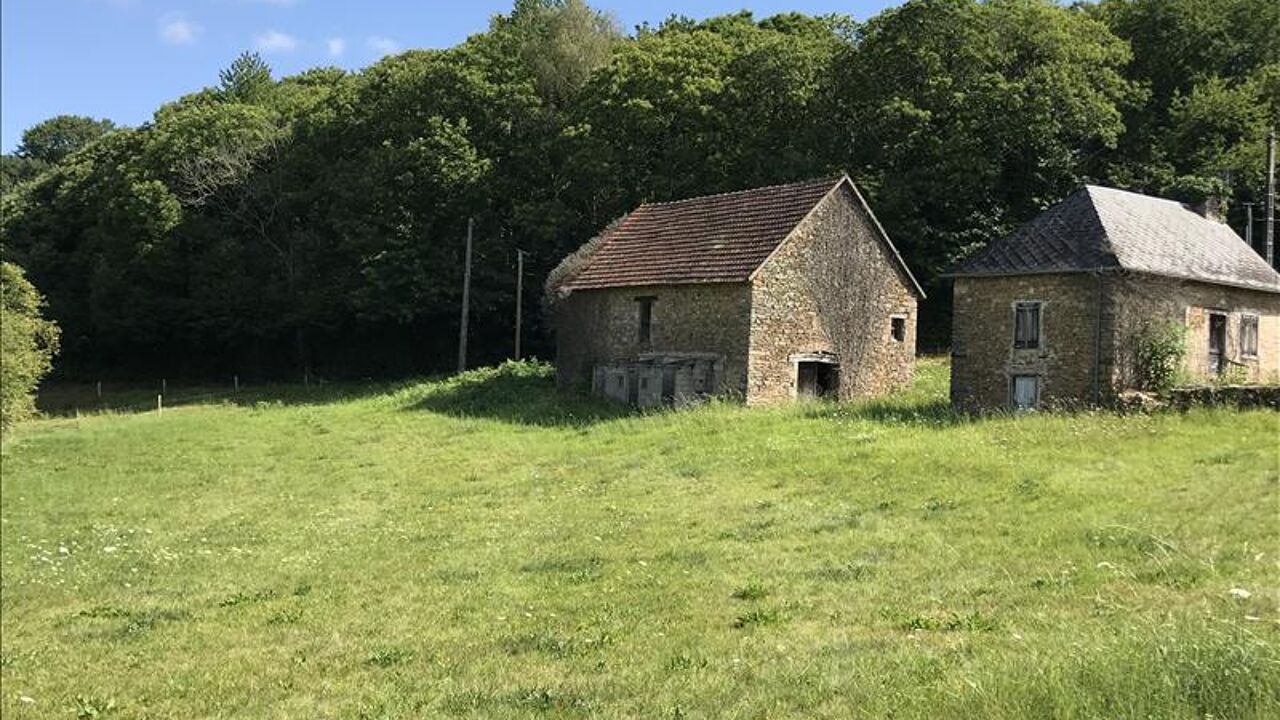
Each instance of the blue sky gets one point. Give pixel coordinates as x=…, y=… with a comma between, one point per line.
x=121, y=59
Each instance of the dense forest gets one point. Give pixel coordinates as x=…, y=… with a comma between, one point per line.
x=262, y=225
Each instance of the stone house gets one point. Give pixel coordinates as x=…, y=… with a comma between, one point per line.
x=1050, y=315
x=765, y=294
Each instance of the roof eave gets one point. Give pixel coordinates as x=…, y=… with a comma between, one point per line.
x=663, y=283
x=1085, y=271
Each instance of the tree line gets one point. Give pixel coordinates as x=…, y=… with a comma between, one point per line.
x=262, y=225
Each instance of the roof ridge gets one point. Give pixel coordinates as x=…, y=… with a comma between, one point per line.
x=1091, y=186
x=832, y=179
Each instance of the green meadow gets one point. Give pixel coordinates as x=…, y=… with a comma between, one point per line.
x=479, y=547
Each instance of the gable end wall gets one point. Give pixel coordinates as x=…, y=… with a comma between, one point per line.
x=832, y=286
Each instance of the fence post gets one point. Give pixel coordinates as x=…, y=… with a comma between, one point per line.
x=99, y=391
x=235, y=379
x=164, y=386
x=160, y=404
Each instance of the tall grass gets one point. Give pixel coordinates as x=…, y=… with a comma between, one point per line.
x=481, y=547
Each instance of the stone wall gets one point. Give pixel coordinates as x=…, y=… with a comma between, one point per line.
x=1084, y=311
x=603, y=326
x=1140, y=299
x=983, y=359
x=1244, y=397
x=832, y=287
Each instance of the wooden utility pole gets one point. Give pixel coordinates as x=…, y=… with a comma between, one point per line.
x=1248, y=225
x=519, y=296
x=1271, y=198
x=466, y=300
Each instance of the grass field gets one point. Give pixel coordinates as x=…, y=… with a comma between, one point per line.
x=478, y=547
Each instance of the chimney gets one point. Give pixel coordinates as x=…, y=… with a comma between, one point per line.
x=1213, y=207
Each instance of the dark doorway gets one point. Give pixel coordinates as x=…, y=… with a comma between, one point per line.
x=817, y=379
x=1217, y=343
x=668, y=383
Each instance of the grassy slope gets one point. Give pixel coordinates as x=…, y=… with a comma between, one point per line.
x=388, y=556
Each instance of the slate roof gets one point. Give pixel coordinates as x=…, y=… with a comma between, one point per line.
x=1100, y=228
x=709, y=239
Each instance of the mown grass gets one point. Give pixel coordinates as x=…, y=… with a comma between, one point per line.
x=478, y=547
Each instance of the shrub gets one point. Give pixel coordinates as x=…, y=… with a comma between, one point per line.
x=1232, y=375
x=1159, y=349
x=27, y=344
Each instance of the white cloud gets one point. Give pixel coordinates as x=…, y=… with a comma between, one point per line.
x=336, y=46
x=177, y=30
x=275, y=41
x=383, y=45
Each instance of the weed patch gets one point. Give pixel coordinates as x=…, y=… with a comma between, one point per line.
x=388, y=657
x=759, y=617
x=948, y=622
x=751, y=591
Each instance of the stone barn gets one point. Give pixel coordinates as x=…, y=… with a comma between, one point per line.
x=766, y=294
x=1051, y=315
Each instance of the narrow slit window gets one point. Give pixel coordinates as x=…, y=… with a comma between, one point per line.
x=644, y=306
x=1026, y=325
x=1249, y=336
x=898, y=329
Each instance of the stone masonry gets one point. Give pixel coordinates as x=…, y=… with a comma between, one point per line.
x=595, y=327
x=1088, y=325
x=983, y=359
x=1137, y=299
x=833, y=287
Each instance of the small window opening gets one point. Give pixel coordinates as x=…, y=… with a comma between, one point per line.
x=1025, y=392
x=1249, y=336
x=645, y=307
x=1026, y=325
x=898, y=329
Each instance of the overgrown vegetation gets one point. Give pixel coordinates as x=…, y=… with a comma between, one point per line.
x=28, y=343
x=479, y=547
x=262, y=226
x=1159, y=352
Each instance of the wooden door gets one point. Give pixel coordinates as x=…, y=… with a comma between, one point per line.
x=1217, y=343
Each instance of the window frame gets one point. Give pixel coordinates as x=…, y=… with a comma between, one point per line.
x=644, y=318
x=1013, y=391
x=1256, y=321
x=1037, y=342
x=896, y=322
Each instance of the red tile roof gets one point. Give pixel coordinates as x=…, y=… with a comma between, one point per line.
x=716, y=238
